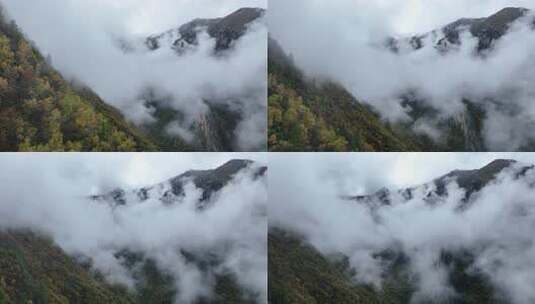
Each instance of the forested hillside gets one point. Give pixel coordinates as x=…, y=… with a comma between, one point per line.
x=41, y=111
x=34, y=270
x=298, y=273
x=307, y=115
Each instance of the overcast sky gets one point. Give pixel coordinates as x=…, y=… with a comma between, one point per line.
x=398, y=16
x=132, y=16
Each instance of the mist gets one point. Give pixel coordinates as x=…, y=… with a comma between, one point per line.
x=83, y=37
x=232, y=230
x=345, y=42
x=496, y=227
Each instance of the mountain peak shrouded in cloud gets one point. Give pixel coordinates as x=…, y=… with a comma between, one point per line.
x=469, y=181
x=224, y=30
x=487, y=30
x=172, y=191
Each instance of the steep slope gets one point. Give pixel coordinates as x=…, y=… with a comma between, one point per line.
x=41, y=111
x=34, y=270
x=298, y=273
x=215, y=129
x=308, y=116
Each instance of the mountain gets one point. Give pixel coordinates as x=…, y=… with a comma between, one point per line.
x=41, y=111
x=309, y=115
x=300, y=273
x=487, y=30
x=225, y=31
x=214, y=130
x=172, y=190
x=464, y=131
x=471, y=181
x=33, y=269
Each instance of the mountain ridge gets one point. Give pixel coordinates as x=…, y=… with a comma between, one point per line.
x=471, y=181
x=171, y=191
x=486, y=29
x=225, y=30
x=215, y=129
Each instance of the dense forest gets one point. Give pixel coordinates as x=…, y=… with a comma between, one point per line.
x=41, y=111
